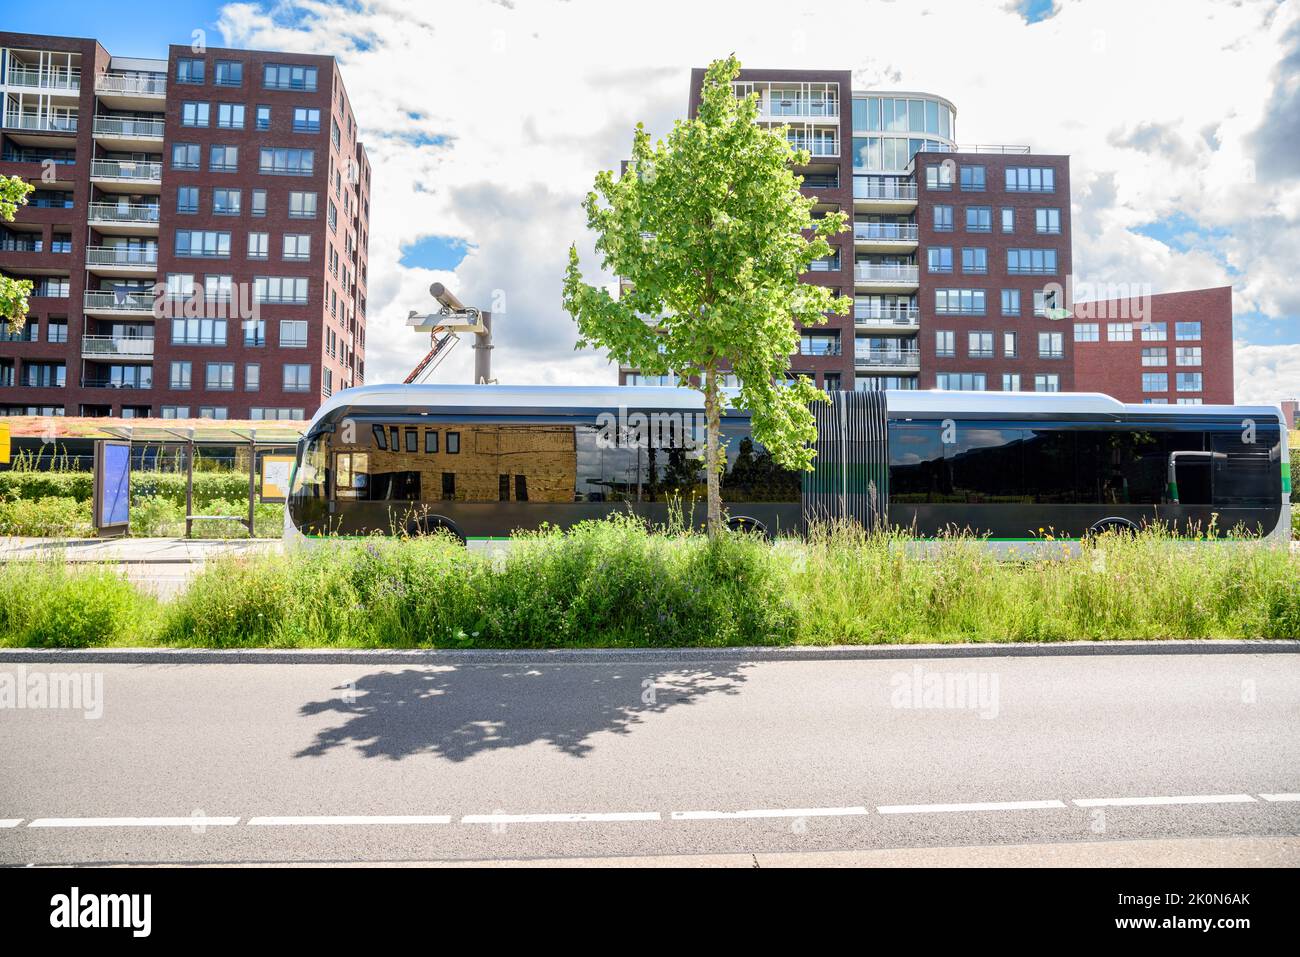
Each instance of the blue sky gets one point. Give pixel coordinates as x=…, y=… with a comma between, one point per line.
x=145, y=33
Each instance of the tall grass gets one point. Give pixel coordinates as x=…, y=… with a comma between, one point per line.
x=614, y=584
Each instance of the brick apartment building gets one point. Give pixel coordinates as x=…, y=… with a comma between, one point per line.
x=197, y=237
x=959, y=259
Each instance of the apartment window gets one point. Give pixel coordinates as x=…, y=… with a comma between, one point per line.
x=1154, y=332
x=286, y=162
x=45, y=374
x=1010, y=302
x=230, y=116
x=1010, y=345
x=255, y=332
x=1051, y=345
x=939, y=259
x=824, y=264
x=336, y=138
x=1011, y=382
x=1047, y=382
x=180, y=285
x=258, y=245
x=278, y=76
x=175, y=411
x=259, y=202
x=938, y=176
x=1183, y=356
x=179, y=378
x=1155, y=382
x=980, y=345
x=218, y=288
x=306, y=120
x=293, y=333
x=1031, y=261
x=945, y=343
x=225, y=202
x=302, y=205
x=297, y=246
x=1155, y=356
x=194, y=114
x=327, y=388
x=189, y=71
x=943, y=219
x=1008, y=219
x=1044, y=302
x=56, y=330
x=1185, y=331
x=185, y=156
x=284, y=289
x=1188, y=381
x=228, y=73
x=199, y=332
x=979, y=219
x=202, y=242
x=220, y=377
x=187, y=199
x=972, y=179
x=297, y=377
x=1031, y=179
x=974, y=259
x=431, y=441
x=252, y=376
x=453, y=443
x=960, y=381
x=263, y=116
x=1119, y=332
x=214, y=412
x=1190, y=401
x=968, y=302
x=1047, y=221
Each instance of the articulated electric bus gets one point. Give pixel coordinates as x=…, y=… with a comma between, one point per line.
x=484, y=461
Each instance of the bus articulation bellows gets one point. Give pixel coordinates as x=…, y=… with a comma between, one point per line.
x=483, y=461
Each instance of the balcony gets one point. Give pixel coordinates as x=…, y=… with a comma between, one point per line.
x=53, y=82
x=127, y=133
x=883, y=194
x=909, y=359
x=778, y=109
x=122, y=260
x=110, y=303
x=41, y=122
x=127, y=218
x=143, y=176
x=886, y=277
x=899, y=318
x=100, y=382
x=116, y=347
x=125, y=91
x=885, y=236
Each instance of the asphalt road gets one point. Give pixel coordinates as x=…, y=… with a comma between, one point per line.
x=1186, y=758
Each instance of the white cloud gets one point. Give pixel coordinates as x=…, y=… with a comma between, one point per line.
x=1266, y=374
x=1160, y=112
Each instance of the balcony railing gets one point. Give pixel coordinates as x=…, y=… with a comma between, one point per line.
x=798, y=107
x=867, y=188
x=885, y=232
x=109, y=347
x=110, y=301
x=899, y=359
x=123, y=213
x=873, y=272
x=131, y=85
x=98, y=382
x=121, y=256
x=126, y=126
x=876, y=316
x=69, y=80
x=42, y=122
x=126, y=169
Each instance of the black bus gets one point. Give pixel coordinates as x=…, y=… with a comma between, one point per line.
x=484, y=461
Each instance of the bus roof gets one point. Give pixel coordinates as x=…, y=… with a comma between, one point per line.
x=523, y=398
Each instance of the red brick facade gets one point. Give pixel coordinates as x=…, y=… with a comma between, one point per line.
x=1186, y=337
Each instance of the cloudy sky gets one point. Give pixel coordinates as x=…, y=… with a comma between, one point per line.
x=486, y=121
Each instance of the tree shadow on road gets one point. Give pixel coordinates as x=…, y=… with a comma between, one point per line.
x=455, y=712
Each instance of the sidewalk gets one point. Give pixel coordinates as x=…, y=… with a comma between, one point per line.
x=133, y=551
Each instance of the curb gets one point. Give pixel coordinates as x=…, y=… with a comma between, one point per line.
x=599, y=656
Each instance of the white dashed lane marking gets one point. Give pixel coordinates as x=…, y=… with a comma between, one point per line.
x=191, y=821
x=769, y=812
x=560, y=818
x=961, y=808
x=346, y=819
x=1154, y=801
x=1281, y=797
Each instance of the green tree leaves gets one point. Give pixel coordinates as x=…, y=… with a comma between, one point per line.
x=13, y=292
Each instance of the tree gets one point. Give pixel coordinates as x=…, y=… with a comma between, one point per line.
x=13, y=292
x=712, y=233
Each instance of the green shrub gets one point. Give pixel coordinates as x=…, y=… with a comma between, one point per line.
x=59, y=516
x=50, y=604
x=170, y=486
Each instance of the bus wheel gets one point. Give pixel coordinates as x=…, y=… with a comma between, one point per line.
x=1121, y=526
x=432, y=524
x=743, y=523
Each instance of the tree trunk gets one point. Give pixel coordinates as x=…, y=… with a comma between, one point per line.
x=712, y=422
